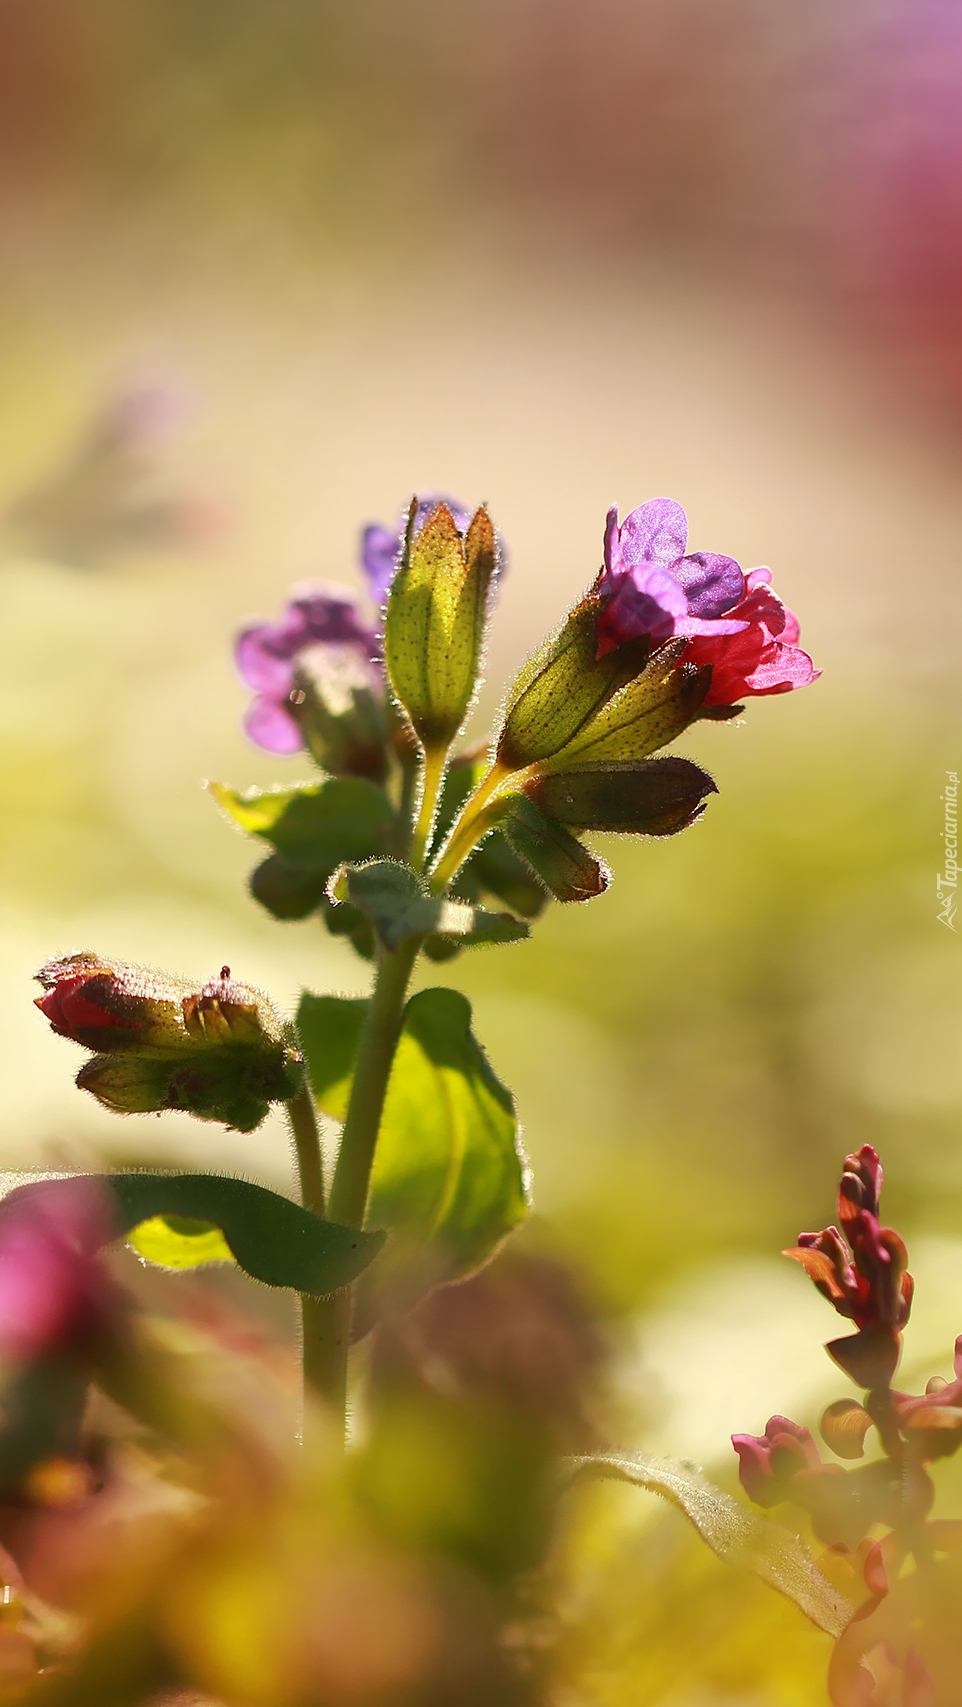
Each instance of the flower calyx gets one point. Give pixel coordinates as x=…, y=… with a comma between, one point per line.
x=219, y=1052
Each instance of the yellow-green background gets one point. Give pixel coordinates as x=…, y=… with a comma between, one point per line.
x=552, y=256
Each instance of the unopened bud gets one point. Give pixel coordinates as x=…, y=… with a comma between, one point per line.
x=650, y=797
x=436, y=619
x=220, y=1052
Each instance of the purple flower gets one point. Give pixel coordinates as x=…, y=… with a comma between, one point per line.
x=655, y=589
x=268, y=654
x=381, y=546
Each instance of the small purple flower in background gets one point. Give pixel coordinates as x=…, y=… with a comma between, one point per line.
x=381, y=546
x=269, y=653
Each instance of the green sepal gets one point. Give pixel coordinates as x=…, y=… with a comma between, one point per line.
x=231, y=1083
x=448, y=1171
x=397, y=902
x=564, y=686
x=318, y=826
x=642, y=715
x=644, y=797
x=566, y=868
x=345, y=723
x=435, y=621
x=271, y=1238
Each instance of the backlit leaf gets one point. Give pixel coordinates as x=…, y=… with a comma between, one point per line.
x=731, y=1531
x=448, y=1171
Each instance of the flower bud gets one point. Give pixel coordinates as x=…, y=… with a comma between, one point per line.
x=567, y=870
x=220, y=1052
x=108, y=1006
x=767, y=1462
x=650, y=797
x=338, y=704
x=435, y=621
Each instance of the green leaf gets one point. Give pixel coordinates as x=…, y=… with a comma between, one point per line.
x=448, y=1171
x=731, y=1531
x=565, y=868
x=435, y=621
x=645, y=714
x=273, y=1239
x=180, y=1241
x=563, y=686
x=315, y=827
x=399, y=906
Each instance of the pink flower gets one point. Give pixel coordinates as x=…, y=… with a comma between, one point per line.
x=731, y=621
x=763, y=657
x=54, y=1296
x=767, y=1462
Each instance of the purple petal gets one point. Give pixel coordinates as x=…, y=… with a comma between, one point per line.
x=647, y=601
x=379, y=552
x=381, y=547
x=657, y=532
x=263, y=654
x=713, y=583
x=271, y=726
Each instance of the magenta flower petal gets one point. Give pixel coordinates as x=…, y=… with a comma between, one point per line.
x=657, y=532
x=271, y=726
x=648, y=600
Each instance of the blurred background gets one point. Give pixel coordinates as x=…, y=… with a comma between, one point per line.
x=265, y=269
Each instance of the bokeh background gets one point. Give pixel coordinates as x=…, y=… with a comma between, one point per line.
x=553, y=254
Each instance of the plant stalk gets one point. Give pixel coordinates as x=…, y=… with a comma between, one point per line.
x=432, y=776
x=310, y=1169
x=330, y=1318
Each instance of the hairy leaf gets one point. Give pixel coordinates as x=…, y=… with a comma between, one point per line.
x=316, y=827
x=271, y=1238
x=396, y=901
x=732, y=1532
x=448, y=1170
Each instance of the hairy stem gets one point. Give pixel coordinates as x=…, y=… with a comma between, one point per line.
x=331, y=1318
x=432, y=776
x=475, y=821
x=310, y=1169
x=307, y=1147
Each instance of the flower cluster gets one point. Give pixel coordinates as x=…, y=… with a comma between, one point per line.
x=861, y=1271
x=220, y=1052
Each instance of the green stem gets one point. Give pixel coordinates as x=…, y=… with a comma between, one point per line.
x=310, y=1169
x=307, y=1146
x=473, y=823
x=347, y=1204
x=432, y=776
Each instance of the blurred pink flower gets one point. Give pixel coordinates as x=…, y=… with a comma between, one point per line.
x=54, y=1295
